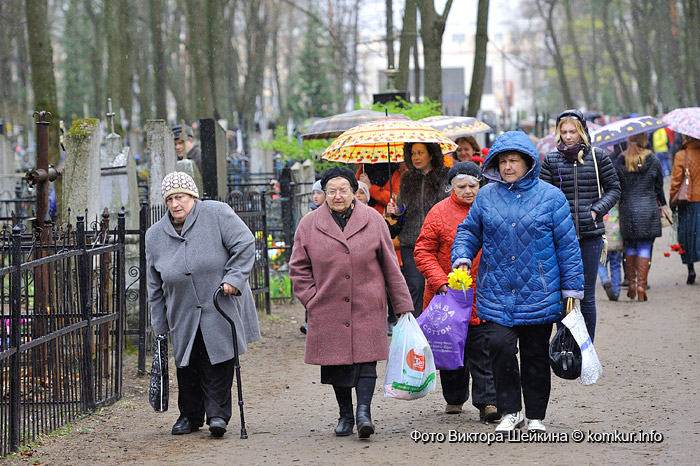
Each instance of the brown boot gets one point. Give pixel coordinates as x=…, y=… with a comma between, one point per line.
x=631, y=262
x=643, y=265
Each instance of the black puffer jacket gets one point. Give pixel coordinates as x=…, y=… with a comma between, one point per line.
x=418, y=194
x=578, y=182
x=639, y=211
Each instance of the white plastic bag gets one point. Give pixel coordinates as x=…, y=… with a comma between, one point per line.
x=591, y=368
x=410, y=371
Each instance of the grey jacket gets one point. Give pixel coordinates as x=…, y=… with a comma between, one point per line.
x=184, y=272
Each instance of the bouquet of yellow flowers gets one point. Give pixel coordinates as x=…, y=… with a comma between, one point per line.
x=459, y=280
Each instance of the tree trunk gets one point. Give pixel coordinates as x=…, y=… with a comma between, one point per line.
x=622, y=86
x=96, y=59
x=42, y=73
x=124, y=72
x=479, y=70
x=555, y=51
x=215, y=53
x=111, y=28
x=431, y=30
x=640, y=53
x=256, y=16
x=675, y=53
x=202, y=90
x=408, y=38
x=390, y=34
x=692, y=18
x=156, y=17
x=580, y=64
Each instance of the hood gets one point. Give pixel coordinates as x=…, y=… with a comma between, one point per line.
x=576, y=115
x=512, y=141
x=438, y=159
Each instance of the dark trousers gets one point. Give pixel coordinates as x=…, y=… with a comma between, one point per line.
x=414, y=279
x=477, y=362
x=204, y=387
x=590, y=255
x=533, y=378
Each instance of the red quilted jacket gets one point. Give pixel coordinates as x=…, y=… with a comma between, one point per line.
x=434, y=246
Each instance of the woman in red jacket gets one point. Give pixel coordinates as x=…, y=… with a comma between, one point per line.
x=432, y=255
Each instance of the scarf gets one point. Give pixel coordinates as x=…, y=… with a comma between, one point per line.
x=570, y=153
x=341, y=218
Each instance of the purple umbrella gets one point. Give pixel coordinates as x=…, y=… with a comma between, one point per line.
x=685, y=121
x=619, y=131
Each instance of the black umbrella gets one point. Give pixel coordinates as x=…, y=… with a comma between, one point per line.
x=158, y=392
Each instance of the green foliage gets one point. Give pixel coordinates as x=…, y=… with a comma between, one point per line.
x=315, y=81
x=413, y=111
x=280, y=286
x=292, y=151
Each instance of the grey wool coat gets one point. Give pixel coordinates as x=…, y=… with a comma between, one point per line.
x=184, y=272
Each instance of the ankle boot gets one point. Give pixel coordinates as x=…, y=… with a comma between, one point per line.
x=365, y=428
x=631, y=262
x=643, y=265
x=345, y=422
x=691, y=275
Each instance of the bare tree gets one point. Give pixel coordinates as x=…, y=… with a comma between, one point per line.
x=581, y=65
x=615, y=62
x=479, y=70
x=408, y=39
x=554, y=49
x=159, y=82
x=431, y=30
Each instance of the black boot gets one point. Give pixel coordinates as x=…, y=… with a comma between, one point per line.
x=365, y=428
x=345, y=422
x=691, y=274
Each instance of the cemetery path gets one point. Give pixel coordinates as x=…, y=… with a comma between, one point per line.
x=649, y=353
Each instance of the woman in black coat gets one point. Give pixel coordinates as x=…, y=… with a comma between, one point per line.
x=642, y=184
x=571, y=168
x=423, y=185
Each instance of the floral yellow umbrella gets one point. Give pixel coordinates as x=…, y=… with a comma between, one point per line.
x=382, y=141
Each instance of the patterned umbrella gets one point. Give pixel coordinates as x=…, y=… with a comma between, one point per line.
x=382, y=141
x=456, y=126
x=685, y=121
x=333, y=126
x=618, y=131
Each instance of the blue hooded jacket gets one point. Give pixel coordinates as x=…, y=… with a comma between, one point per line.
x=530, y=258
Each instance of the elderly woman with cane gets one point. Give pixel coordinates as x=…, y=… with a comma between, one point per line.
x=195, y=248
x=342, y=266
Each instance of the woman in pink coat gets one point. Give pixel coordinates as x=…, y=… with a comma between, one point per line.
x=342, y=265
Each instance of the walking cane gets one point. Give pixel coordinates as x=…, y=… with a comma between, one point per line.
x=236, y=363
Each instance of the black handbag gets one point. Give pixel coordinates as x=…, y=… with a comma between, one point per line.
x=158, y=393
x=565, y=355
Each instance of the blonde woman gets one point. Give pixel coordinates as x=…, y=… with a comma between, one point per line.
x=571, y=169
x=642, y=184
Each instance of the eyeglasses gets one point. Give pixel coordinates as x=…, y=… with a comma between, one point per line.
x=342, y=192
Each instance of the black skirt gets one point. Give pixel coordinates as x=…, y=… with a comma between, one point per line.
x=347, y=375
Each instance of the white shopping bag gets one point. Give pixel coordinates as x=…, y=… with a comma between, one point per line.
x=410, y=371
x=591, y=368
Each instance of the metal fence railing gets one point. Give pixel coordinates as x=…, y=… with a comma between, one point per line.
x=62, y=295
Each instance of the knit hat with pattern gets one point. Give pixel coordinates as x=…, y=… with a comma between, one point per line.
x=178, y=182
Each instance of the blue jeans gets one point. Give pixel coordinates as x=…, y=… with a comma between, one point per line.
x=665, y=163
x=590, y=255
x=614, y=262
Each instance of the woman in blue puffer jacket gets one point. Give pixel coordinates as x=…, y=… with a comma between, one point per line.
x=530, y=262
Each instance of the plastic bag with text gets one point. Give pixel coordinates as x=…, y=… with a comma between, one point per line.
x=445, y=323
x=591, y=368
x=410, y=370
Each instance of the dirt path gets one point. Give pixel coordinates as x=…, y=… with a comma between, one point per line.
x=649, y=353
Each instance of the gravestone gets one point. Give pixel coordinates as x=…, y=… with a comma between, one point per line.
x=214, y=149
x=8, y=169
x=190, y=167
x=81, y=171
x=161, y=155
